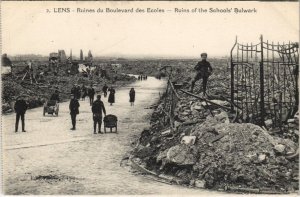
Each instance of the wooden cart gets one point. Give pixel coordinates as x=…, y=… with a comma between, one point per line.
x=51, y=107
x=110, y=121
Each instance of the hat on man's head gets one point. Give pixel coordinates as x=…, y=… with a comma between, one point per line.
x=98, y=96
x=203, y=54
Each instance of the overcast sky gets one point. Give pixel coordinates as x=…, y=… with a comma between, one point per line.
x=28, y=29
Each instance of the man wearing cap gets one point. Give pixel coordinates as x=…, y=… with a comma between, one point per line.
x=97, y=109
x=20, y=109
x=204, y=70
x=74, y=110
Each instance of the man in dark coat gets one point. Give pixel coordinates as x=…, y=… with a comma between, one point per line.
x=55, y=96
x=91, y=93
x=132, y=96
x=20, y=109
x=74, y=110
x=73, y=90
x=111, y=97
x=84, y=92
x=97, y=109
x=204, y=70
x=78, y=92
x=104, y=89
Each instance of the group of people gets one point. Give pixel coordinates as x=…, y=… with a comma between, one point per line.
x=97, y=107
x=142, y=77
x=82, y=92
x=203, y=71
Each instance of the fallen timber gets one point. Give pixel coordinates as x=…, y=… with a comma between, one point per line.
x=206, y=100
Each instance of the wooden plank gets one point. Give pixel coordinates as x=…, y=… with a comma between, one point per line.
x=201, y=98
x=173, y=89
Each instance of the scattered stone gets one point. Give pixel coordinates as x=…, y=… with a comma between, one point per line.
x=291, y=121
x=262, y=157
x=200, y=184
x=219, y=102
x=188, y=140
x=181, y=155
x=166, y=133
x=268, y=123
x=279, y=148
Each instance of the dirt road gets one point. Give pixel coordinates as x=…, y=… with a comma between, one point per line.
x=51, y=159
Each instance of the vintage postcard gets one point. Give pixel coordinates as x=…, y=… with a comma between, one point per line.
x=149, y=98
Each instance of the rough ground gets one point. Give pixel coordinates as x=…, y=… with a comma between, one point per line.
x=218, y=153
x=51, y=159
x=38, y=93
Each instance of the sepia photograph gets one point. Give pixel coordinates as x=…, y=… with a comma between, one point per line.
x=150, y=98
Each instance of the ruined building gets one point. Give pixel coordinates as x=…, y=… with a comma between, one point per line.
x=60, y=56
x=81, y=55
x=89, y=58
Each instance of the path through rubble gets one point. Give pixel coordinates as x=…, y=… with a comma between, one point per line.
x=51, y=159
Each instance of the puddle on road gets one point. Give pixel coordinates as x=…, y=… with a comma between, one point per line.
x=54, y=178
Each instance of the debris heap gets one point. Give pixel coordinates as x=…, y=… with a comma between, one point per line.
x=206, y=149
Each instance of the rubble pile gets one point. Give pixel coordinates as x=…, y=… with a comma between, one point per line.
x=289, y=130
x=218, y=154
x=205, y=149
x=47, y=82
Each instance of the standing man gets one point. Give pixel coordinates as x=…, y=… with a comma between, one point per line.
x=20, y=108
x=91, y=93
x=204, y=70
x=74, y=110
x=73, y=90
x=84, y=92
x=132, y=96
x=111, y=96
x=78, y=92
x=104, y=89
x=97, y=109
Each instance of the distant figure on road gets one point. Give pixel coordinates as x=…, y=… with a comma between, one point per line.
x=20, y=108
x=78, y=92
x=84, y=92
x=111, y=97
x=74, y=110
x=104, y=89
x=55, y=96
x=73, y=90
x=204, y=70
x=132, y=96
x=91, y=93
x=97, y=109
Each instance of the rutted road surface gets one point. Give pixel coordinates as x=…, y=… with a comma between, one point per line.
x=51, y=159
